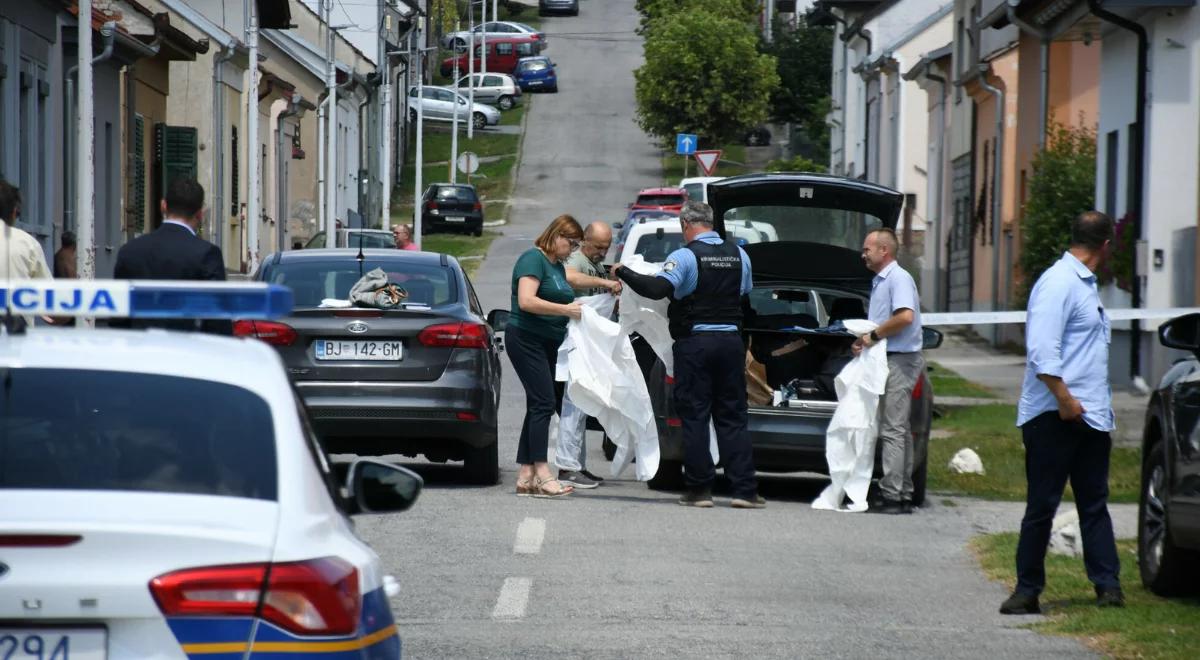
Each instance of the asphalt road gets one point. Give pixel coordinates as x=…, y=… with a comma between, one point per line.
x=622, y=571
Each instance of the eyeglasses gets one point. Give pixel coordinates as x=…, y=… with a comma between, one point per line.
x=573, y=242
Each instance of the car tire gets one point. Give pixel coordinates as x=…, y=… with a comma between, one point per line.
x=478, y=120
x=669, y=476
x=412, y=116
x=1166, y=569
x=919, y=477
x=478, y=231
x=505, y=102
x=482, y=464
x=554, y=89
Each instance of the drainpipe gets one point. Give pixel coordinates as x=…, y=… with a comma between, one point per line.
x=844, y=81
x=1010, y=9
x=1139, y=163
x=938, y=186
x=281, y=212
x=865, y=35
x=216, y=226
x=108, y=33
x=997, y=190
x=145, y=51
x=364, y=196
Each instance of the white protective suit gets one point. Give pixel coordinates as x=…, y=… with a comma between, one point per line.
x=850, y=440
x=603, y=380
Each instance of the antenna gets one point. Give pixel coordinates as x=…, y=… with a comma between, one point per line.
x=360, y=256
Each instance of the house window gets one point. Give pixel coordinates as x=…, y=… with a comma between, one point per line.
x=504, y=48
x=1111, y=146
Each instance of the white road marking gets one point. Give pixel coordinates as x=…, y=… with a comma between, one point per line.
x=514, y=597
x=530, y=534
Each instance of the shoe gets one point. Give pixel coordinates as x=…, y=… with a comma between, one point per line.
x=907, y=505
x=1110, y=598
x=893, y=508
x=576, y=479
x=697, y=498
x=541, y=492
x=591, y=476
x=525, y=487
x=1020, y=603
x=756, y=502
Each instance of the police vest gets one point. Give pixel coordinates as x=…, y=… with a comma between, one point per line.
x=718, y=295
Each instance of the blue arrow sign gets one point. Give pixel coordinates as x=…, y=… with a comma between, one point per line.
x=685, y=144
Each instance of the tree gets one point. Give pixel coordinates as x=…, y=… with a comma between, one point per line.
x=1062, y=187
x=806, y=73
x=652, y=10
x=703, y=74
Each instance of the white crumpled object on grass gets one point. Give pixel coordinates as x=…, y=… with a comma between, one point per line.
x=850, y=439
x=603, y=380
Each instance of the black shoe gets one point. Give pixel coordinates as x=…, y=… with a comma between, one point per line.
x=1110, y=598
x=756, y=502
x=591, y=476
x=907, y=505
x=1020, y=603
x=697, y=498
x=893, y=508
x=576, y=479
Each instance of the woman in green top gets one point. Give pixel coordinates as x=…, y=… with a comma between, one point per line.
x=542, y=302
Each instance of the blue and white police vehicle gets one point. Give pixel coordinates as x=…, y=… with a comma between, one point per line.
x=162, y=495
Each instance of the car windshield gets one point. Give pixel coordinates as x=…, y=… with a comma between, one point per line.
x=369, y=239
x=838, y=227
x=535, y=66
x=82, y=429
x=695, y=190
x=655, y=247
x=660, y=200
x=456, y=192
x=313, y=280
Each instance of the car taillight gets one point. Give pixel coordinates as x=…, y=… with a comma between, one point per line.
x=272, y=332
x=315, y=597
x=431, y=205
x=919, y=388
x=478, y=206
x=670, y=380
x=467, y=417
x=454, y=335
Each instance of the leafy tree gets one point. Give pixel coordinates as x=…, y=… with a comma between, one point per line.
x=797, y=164
x=806, y=73
x=652, y=10
x=703, y=74
x=1063, y=186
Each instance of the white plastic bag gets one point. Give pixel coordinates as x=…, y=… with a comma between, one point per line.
x=647, y=317
x=850, y=439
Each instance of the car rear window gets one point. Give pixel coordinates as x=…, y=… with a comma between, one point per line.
x=695, y=191
x=313, y=280
x=535, y=66
x=838, y=227
x=659, y=200
x=456, y=192
x=369, y=240
x=655, y=248
x=76, y=429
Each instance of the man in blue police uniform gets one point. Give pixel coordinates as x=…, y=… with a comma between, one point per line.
x=707, y=280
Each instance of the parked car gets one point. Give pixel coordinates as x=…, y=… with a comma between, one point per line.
x=420, y=379
x=652, y=239
x=697, y=186
x=537, y=73
x=451, y=207
x=1169, y=510
x=809, y=275
x=503, y=53
x=367, y=238
x=660, y=199
x=458, y=40
x=631, y=220
x=568, y=7
x=498, y=89
x=439, y=106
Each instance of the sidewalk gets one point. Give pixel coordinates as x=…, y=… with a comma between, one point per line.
x=1003, y=372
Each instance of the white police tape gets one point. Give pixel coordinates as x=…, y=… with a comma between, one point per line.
x=996, y=318
x=145, y=299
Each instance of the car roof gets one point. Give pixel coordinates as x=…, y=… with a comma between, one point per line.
x=350, y=253
x=699, y=179
x=533, y=58
x=653, y=225
x=661, y=191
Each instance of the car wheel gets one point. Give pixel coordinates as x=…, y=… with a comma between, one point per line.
x=412, y=116
x=505, y=102
x=554, y=89
x=478, y=120
x=919, y=477
x=483, y=464
x=669, y=476
x=1166, y=569
x=610, y=448
x=478, y=231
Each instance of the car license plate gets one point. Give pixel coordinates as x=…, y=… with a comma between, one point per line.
x=53, y=643
x=455, y=218
x=337, y=349
x=531, y=82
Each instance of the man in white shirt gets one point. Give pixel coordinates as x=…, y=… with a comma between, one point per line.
x=21, y=256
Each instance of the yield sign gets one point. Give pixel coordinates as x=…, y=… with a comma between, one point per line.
x=708, y=160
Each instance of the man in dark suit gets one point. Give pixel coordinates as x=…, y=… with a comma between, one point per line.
x=174, y=252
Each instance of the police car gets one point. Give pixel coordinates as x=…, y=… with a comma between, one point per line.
x=161, y=493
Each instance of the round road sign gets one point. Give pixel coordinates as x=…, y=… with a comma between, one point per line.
x=468, y=162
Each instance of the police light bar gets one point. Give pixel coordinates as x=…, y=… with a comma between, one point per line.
x=156, y=299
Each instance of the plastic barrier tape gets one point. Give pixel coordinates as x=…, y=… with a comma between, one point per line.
x=994, y=318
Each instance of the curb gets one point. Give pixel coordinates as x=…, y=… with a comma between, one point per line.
x=520, y=153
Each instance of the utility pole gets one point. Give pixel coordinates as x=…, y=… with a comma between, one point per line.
x=385, y=121
x=454, y=125
x=419, y=69
x=470, y=71
x=331, y=170
x=483, y=33
x=85, y=198
x=253, y=216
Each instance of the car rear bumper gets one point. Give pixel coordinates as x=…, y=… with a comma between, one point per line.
x=471, y=221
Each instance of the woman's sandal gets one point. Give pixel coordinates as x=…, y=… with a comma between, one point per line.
x=525, y=487
x=539, y=489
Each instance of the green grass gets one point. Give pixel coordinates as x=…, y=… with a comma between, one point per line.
x=991, y=431
x=1147, y=627
x=672, y=164
x=948, y=383
x=436, y=144
x=513, y=117
x=461, y=246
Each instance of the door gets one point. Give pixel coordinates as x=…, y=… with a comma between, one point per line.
x=1184, y=487
x=960, y=255
x=495, y=87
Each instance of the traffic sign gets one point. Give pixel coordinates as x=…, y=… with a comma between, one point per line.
x=708, y=160
x=685, y=144
x=468, y=162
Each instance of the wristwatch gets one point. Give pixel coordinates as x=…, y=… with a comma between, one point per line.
x=874, y=337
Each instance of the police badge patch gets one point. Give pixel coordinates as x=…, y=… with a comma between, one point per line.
x=669, y=266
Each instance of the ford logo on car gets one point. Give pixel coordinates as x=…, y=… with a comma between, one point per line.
x=357, y=327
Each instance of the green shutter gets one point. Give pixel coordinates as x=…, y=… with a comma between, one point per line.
x=175, y=151
x=137, y=203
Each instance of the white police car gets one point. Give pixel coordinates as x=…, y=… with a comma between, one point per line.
x=161, y=494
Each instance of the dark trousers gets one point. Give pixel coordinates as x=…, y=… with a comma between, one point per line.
x=710, y=379
x=533, y=358
x=1055, y=452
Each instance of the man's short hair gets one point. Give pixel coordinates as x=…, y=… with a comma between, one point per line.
x=1091, y=229
x=887, y=236
x=184, y=197
x=10, y=199
x=68, y=239
x=696, y=213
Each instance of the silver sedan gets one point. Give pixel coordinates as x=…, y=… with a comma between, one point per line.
x=438, y=105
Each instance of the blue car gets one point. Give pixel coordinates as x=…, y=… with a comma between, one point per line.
x=536, y=73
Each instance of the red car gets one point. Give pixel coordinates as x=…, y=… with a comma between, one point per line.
x=503, y=53
x=660, y=199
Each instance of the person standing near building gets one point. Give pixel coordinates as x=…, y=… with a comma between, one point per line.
x=21, y=256
x=64, y=260
x=586, y=277
x=707, y=280
x=896, y=309
x=1066, y=417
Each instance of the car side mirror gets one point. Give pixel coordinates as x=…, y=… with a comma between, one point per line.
x=618, y=225
x=931, y=338
x=498, y=319
x=373, y=486
x=1182, y=332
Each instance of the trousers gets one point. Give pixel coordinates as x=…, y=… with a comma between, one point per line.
x=533, y=358
x=895, y=425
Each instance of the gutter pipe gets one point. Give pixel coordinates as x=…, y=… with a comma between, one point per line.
x=215, y=222
x=281, y=212
x=938, y=186
x=997, y=189
x=1010, y=10
x=865, y=35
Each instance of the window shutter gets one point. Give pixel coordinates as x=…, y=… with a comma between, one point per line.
x=174, y=154
x=137, y=203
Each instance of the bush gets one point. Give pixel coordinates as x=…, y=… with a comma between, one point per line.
x=1063, y=186
x=797, y=164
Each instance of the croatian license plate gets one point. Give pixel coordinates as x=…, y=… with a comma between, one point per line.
x=535, y=82
x=53, y=643
x=455, y=218
x=337, y=349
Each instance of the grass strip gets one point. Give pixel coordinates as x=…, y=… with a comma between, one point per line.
x=948, y=383
x=459, y=246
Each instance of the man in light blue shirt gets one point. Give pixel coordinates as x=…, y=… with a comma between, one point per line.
x=1065, y=414
x=896, y=309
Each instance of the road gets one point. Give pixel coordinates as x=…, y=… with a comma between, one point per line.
x=622, y=571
